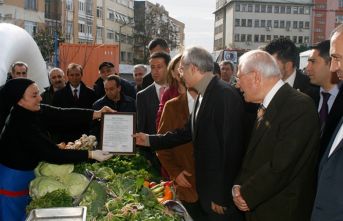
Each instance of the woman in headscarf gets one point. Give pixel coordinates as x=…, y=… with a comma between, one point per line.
x=24, y=143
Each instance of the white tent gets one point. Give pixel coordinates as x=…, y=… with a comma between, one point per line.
x=303, y=59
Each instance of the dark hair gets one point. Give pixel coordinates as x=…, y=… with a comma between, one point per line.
x=19, y=63
x=324, y=50
x=157, y=42
x=161, y=54
x=284, y=49
x=72, y=66
x=106, y=64
x=216, y=68
x=115, y=78
x=227, y=62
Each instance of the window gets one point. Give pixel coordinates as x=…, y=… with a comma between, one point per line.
x=295, y=39
x=129, y=56
x=110, y=34
x=244, y=23
x=339, y=18
x=269, y=8
x=282, y=24
x=111, y=15
x=262, y=38
x=236, y=37
x=340, y=3
x=301, y=24
x=81, y=6
x=250, y=8
x=295, y=24
x=301, y=10
x=269, y=37
x=263, y=8
x=249, y=38
x=257, y=8
x=82, y=28
x=300, y=39
x=249, y=22
x=122, y=56
x=276, y=9
x=69, y=27
x=288, y=24
x=307, y=10
x=257, y=23
x=99, y=31
x=282, y=9
x=30, y=27
x=269, y=23
x=295, y=10
x=306, y=40
x=31, y=4
x=263, y=23
x=276, y=23
x=243, y=37
x=69, y=5
x=275, y=37
x=244, y=8
x=238, y=7
x=256, y=38
x=89, y=29
x=288, y=9
x=237, y=22
x=99, y=12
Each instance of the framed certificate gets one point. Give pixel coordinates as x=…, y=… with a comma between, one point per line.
x=116, y=133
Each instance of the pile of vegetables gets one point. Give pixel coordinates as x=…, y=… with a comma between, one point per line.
x=119, y=191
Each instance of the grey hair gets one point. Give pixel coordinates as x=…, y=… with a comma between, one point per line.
x=140, y=66
x=227, y=62
x=199, y=57
x=56, y=69
x=260, y=61
x=338, y=29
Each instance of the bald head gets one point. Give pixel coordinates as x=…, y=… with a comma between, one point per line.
x=336, y=52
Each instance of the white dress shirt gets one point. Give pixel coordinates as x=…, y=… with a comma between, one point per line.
x=290, y=80
x=333, y=94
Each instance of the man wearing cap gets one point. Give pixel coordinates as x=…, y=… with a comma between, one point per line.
x=106, y=68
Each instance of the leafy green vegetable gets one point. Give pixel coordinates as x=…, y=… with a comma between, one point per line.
x=54, y=170
x=95, y=199
x=43, y=185
x=75, y=183
x=57, y=198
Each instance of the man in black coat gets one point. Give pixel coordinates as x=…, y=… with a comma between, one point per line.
x=155, y=45
x=106, y=69
x=74, y=94
x=215, y=127
x=328, y=204
x=286, y=54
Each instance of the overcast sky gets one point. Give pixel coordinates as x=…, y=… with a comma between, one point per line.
x=197, y=15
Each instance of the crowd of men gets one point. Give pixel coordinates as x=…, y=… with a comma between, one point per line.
x=267, y=137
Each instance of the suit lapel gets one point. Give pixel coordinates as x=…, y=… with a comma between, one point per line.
x=269, y=116
x=340, y=144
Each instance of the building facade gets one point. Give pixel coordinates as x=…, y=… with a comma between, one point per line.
x=249, y=24
x=327, y=14
x=28, y=14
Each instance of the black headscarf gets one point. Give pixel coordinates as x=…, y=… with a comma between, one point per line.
x=10, y=94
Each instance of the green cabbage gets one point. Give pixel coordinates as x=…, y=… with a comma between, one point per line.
x=54, y=170
x=43, y=185
x=105, y=173
x=75, y=183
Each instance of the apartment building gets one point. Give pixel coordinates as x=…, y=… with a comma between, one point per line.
x=249, y=24
x=28, y=14
x=327, y=14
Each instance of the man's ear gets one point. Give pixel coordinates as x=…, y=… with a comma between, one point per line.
x=257, y=77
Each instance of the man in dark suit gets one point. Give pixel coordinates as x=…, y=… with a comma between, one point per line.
x=215, y=127
x=74, y=94
x=286, y=54
x=277, y=177
x=106, y=69
x=148, y=101
x=328, y=204
x=155, y=45
x=330, y=102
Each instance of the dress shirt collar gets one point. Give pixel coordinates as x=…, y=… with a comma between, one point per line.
x=73, y=88
x=190, y=101
x=203, y=83
x=157, y=87
x=268, y=98
x=290, y=80
x=333, y=94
